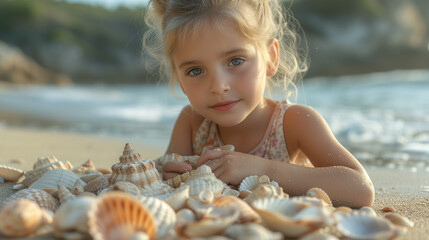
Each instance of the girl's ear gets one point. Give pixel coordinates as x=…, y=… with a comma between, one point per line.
x=273, y=51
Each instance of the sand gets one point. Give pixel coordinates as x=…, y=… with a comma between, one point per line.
x=401, y=190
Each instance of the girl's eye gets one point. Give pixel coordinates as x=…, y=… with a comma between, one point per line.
x=235, y=62
x=195, y=72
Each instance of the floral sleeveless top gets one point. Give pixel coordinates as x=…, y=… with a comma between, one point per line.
x=272, y=146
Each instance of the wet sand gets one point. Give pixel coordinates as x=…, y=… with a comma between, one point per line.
x=400, y=189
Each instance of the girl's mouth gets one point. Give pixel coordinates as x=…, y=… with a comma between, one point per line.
x=224, y=106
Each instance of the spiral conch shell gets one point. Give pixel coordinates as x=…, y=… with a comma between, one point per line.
x=132, y=168
x=23, y=218
x=118, y=216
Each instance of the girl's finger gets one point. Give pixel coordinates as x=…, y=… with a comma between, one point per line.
x=214, y=164
x=169, y=175
x=218, y=172
x=177, y=167
x=209, y=155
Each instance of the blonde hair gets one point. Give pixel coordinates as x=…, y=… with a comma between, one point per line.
x=171, y=21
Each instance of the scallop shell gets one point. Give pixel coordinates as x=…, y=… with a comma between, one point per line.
x=10, y=173
x=98, y=184
x=157, y=189
x=291, y=217
x=72, y=216
x=215, y=221
x=22, y=218
x=41, y=197
x=247, y=214
x=251, y=231
x=163, y=214
x=53, y=177
x=250, y=182
x=119, y=215
x=363, y=226
x=132, y=168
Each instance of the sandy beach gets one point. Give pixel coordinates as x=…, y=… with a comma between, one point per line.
x=399, y=189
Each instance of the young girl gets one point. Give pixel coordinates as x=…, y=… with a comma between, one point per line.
x=224, y=54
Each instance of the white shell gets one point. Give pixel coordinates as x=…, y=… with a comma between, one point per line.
x=73, y=216
x=363, y=226
x=53, y=177
x=10, y=173
x=41, y=197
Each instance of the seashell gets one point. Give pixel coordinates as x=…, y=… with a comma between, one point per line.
x=163, y=214
x=319, y=236
x=50, y=163
x=368, y=211
x=118, y=215
x=139, y=236
x=85, y=168
x=10, y=174
x=244, y=194
x=264, y=191
x=90, y=176
x=231, y=192
x=64, y=194
x=399, y=221
x=363, y=226
x=77, y=188
x=42, y=198
x=157, y=189
x=247, y=214
x=177, y=198
x=320, y=194
x=174, y=157
x=97, y=184
x=22, y=218
x=201, y=202
x=215, y=221
x=1, y=179
x=104, y=171
x=183, y=217
x=125, y=187
x=290, y=216
x=203, y=179
x=53, y=177
x=72, y=216
x=251, y=231
x=132, y=168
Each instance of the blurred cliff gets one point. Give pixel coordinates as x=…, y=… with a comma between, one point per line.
x=92, y=44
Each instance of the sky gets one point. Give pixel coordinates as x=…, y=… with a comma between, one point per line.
x=112, y=4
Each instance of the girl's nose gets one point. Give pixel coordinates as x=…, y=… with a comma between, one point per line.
x=219, y=82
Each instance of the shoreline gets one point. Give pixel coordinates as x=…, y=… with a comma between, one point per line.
x=401, y=190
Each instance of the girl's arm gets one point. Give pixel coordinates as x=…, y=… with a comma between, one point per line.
x=335, y=170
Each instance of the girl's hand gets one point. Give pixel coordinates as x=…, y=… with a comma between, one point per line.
x=173, y=169
x=232, y=167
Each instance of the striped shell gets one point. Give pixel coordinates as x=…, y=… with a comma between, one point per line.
x=203, y=179
x=22, y=218
x=163, y=214
x=85, y=168
x=320, y=194
x=64, y=194
x=10, y=173
x=53, y=177
x=98, y=184
x=117, y=216
x=132, y=168
x=41, y=197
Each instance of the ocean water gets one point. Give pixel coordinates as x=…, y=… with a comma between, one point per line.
x=382, y=118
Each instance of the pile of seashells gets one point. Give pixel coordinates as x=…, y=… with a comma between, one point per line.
x=132, y=202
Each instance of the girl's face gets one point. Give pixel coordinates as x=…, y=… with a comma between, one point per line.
x=221, y=73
